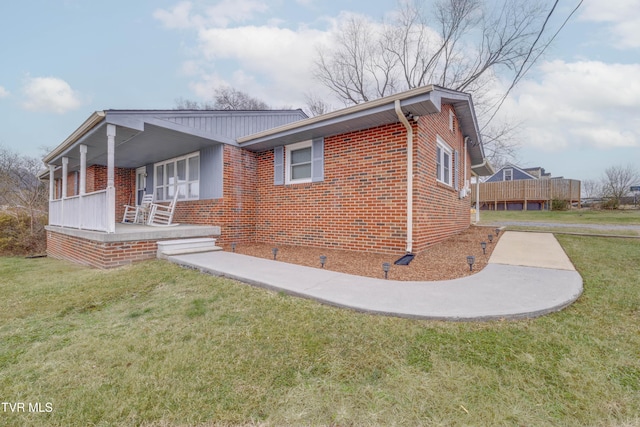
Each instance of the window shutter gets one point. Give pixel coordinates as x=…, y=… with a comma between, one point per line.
x=456, y=161
x=278, y=165
x=317, y=160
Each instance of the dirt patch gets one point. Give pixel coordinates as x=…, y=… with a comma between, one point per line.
x=441, y=261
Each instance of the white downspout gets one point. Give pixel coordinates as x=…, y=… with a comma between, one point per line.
x=406, y=124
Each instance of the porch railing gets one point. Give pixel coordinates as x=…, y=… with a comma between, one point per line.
x=85, y=212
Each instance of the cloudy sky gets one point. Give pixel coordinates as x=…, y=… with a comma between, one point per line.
x=61, y=60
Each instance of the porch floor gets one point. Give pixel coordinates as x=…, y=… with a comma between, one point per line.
x=139, y=232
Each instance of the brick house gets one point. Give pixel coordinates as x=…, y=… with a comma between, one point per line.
x=390, y=175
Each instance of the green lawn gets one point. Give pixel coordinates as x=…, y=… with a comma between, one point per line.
x=575, y=216
x=153, y=344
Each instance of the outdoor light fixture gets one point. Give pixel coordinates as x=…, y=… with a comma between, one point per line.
x=323, y=260
x=497, y=231
x=470, y=260
x=275, y=252
x=385, y=267
x=490, y=236
x=233, y=246
x=483, y=245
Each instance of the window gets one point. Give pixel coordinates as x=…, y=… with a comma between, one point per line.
x=182, y=172
x=507, y=175
x=443, y=162
x=298, y=163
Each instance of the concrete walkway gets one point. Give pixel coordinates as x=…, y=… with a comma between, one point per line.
x=528, y=275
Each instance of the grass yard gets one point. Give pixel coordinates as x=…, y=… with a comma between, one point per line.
x=156, y=345
x=574, y=216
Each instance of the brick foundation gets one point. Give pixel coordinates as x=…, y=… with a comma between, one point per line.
x=99, y=254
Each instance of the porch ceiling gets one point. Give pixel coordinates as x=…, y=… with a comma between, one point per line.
x=134, y=147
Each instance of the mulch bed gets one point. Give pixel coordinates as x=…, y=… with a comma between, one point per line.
x=441, y=261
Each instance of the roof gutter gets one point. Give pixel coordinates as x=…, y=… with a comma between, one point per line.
x=339, y=113
x=85, y=127
x=485, y=163
x=406, y=124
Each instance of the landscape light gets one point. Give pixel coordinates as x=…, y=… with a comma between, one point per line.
x=490, y=236
x=470, y=260
x=233, y=246
x=323, y=260
x=385, y=267
x=483, y=245
x=275, y=252
x=497, y=231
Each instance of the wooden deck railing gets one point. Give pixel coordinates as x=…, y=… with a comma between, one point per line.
x=524, y=191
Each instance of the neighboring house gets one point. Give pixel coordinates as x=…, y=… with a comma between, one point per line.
x=343, y=180
x=511, y=172
x=515, y=188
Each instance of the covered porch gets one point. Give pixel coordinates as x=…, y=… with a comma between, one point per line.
x=110, y=161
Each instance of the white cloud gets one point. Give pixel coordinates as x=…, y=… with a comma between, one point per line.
x=580, y=104
x=3, y=92
x=225, y=12
x=622, y=15
x=50, y=94
x=177, y=17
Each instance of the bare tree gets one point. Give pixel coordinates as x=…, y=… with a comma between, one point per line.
x=225, y=98
x=187, y=104
x=228, y=98
x=459, y=44
x=24, y=198
x=316, y=106
x=591, y=188
x=617, y=182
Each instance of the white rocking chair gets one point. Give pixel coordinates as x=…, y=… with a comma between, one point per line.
x=138, y=214
x=162, y=215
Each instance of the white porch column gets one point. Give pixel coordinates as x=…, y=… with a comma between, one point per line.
x=65, y=163
x=111, y=189
x=52, y=182
x=83, y=169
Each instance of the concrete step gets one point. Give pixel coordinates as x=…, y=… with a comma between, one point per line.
x=186, y=246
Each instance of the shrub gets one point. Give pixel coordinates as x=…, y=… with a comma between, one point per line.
x=559, y=205
x=19, y=235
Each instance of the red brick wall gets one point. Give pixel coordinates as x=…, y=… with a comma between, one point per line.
x=438, y=211
x=235, y=212
x=360, y=205
x=98, y=254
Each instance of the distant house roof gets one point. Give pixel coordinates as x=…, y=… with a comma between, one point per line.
x=518, y=174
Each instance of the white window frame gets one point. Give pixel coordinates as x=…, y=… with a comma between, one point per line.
x=164, y=184
x=443, y=148
x=287, y=172
x=504, y=174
